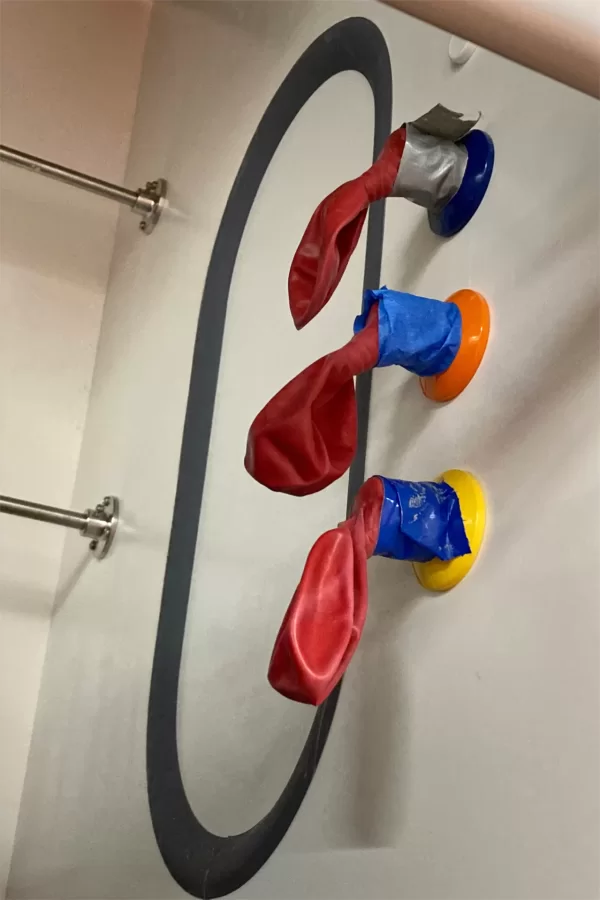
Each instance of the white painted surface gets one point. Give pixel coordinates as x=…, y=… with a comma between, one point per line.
x=62, y=97
x=246, y=566
x=463, y=762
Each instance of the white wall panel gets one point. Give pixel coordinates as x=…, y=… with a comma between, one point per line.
x=69, y=80
x=252, y=541
x=463, y=760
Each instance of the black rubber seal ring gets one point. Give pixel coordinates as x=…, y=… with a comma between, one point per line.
x=204, y=864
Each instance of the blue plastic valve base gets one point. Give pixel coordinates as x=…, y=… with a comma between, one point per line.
x=453, y=217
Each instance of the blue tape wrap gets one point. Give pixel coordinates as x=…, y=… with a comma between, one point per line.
x=420, y=334
x=419, y=521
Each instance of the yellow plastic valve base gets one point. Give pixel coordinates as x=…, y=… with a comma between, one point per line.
x=438, y=575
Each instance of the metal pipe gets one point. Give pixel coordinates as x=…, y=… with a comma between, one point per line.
x=42, y=513
x=147, y=202
x=550, y=43
x=99, y=524
x=68, y=176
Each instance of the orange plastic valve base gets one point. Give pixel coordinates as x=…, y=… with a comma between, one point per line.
x=475, y=315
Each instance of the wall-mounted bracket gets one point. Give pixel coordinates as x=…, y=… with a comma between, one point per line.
x=147, y=202
x=99, y=523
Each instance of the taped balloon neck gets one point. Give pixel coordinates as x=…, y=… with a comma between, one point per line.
x=420, y=334
x=431, y=169
x=420, y=520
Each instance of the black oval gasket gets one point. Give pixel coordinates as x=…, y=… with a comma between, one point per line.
x=204, y=864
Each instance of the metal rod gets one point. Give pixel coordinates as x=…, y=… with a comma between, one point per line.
x=99, y=524
x=147, y=202
x=42, y=513
x=68, y=176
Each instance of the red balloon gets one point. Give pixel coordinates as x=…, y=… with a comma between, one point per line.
x=305, y=437
x=333, y=232
x=325, y=619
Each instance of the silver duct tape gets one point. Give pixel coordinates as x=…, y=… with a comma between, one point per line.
x=431, y=169
x=446, y=123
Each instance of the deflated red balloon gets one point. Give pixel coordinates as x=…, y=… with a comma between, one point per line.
x=305, y=437
x=333, y=232
x=325, y=619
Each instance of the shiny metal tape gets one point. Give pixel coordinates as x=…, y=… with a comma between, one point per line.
x=431, y=169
